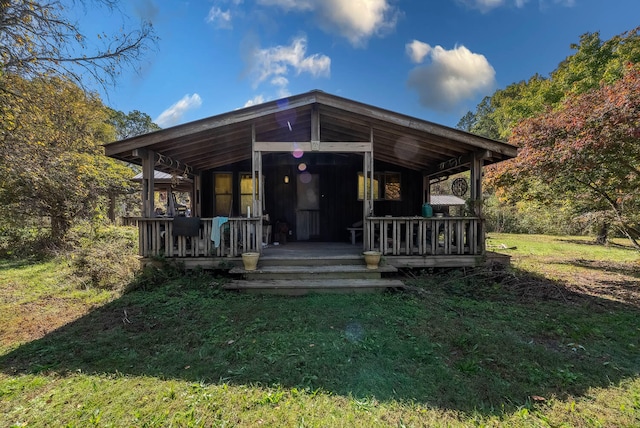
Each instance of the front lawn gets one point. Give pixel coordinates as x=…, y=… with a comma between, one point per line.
x=554, y=341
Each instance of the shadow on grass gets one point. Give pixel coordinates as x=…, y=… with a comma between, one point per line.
x=484, y=343
x=593, y=243
x=608, y=266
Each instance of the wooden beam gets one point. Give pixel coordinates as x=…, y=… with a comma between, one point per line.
x=165, y=162
x=306, y=146
x=315, y=128
x=203, y=125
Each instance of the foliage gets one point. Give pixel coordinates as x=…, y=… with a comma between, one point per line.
x=127, y=125
x=588, y=151
x=480, y=122
x=39, y=39
x=594, y=63
x=531, y=216
x=131, y=124
x=597, y=61
x=474, y=348
x=52, y=162
x=104, y=257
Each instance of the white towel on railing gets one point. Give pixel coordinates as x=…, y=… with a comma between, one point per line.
x=215, y=229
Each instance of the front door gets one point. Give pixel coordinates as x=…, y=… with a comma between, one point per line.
x=308, y=206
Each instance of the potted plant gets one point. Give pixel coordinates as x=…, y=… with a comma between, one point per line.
x=250, y=260
x=372, y=259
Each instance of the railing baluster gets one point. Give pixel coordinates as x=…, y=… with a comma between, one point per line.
x=421, y=236
x=425, y=236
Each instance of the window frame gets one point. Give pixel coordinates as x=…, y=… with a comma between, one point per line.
x=216, y=194
x=381, y=178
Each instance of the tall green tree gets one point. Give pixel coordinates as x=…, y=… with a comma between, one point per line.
x=131, y=124
x=595, y=62
x=588, y=150
x=481, y=122
x=52, y=162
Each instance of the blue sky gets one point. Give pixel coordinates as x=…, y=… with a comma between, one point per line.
x=432, y=59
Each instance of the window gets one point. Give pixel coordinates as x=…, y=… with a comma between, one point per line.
x=245, y=192
x=386, y=186
x=223, y=189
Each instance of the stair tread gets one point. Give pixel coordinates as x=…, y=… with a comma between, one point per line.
x=318, y=283
x=315, y=269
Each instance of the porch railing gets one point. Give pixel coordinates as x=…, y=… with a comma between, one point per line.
x=393, y=236
x=238, y=235
x=398, y=236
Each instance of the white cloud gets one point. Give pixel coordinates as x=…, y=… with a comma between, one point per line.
x=173, y=114
x=258, y=99
x=219, y=18
x=356, y=20
x=275, y=63
x=417, y=50
x=487, y=5
x=451, y=77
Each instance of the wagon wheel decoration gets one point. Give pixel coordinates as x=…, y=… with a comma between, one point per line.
x=459, y=186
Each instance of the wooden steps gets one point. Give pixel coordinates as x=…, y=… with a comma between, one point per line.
x=295, y=287
x=299, y=272
x=317, y=275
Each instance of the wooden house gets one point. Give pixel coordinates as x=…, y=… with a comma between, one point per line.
x=311, y=166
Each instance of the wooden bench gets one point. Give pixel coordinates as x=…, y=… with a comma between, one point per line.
x=355, y=229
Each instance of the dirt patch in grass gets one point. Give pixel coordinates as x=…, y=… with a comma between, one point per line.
x=34, y=320
x=602, y=280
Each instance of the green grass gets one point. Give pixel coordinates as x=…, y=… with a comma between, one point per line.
x=464, y=349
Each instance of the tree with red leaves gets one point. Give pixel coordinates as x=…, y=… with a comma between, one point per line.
x=586, y=153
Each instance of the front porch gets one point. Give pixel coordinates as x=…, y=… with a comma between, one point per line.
x=316, y=166
x=405, y=242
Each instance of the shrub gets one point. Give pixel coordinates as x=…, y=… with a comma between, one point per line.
x=106, y=256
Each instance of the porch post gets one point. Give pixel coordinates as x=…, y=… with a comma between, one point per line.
x=196, y=197
x=476, y=182
x=368, y=185
x=477, y=162
x=148, y=185
x=257, y=188
x=426, y=189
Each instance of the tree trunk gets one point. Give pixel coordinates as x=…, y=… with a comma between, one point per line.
x=112, y=208
x=59, y=228
x=631, y=237
x=602, y=237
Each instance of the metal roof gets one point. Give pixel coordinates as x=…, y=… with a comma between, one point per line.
x=446, y=200
x=398, y=139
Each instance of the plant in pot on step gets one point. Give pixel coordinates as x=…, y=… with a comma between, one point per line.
x=250, y=260
x=372, y=259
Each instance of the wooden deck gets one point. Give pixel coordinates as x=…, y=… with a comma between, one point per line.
x=336, y=253
x=302, y=267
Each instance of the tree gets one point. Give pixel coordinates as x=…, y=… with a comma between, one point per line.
x=38, y=39
x=52, y=161
x=131, y=124
x=127, y=125
x=587, y=149
x=593, y=62
x=597, y=61
x=481, y=122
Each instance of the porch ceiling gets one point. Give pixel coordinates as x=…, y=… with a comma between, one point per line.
x=398, y=139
